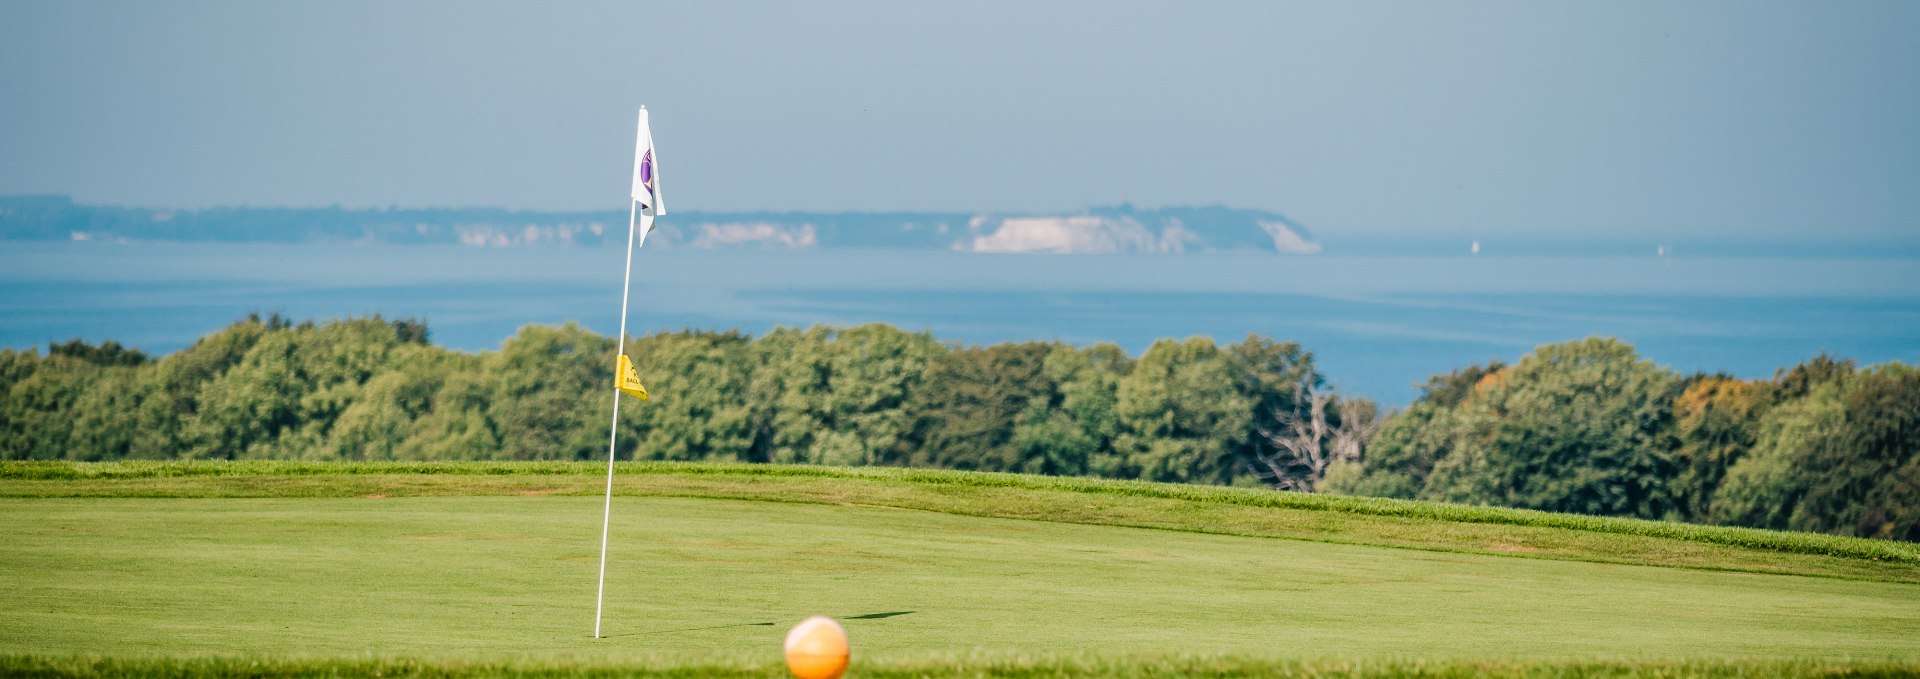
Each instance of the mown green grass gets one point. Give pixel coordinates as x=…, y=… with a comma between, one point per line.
x=957, y=666
x=1233, y=511
x=416, y=570
x=476, y=578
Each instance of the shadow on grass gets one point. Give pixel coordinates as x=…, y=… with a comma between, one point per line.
x=869, y=616
x=877, y=616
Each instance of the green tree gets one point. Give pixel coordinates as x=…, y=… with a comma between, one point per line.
x=333, y=363
x=284, y=395
x=104, y=419
x=176, y=386
x=382, y=420
x=698, y=387
x=1809, y=376
x=552, y=394
x=1580, y=427
x=1278, y=378
x=871, y=371
x=788, y=391
x=1401, y=457
x=1865, y=480
x=108, y=353
x=835, y=396
x=36, y=420
x=1182, y=414
x=1072, y=431
x=1452, y=389
x=1763, y=487
x=15, y=409
x=1714, y=419
x=247, y=407
x=1398, y=460
x=80, y=402
x=965, y=413
x=16, y=366
x=457, y=424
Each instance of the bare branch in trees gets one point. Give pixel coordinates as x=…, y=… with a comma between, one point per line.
x=1306, y=443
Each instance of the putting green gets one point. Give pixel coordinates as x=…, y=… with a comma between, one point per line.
x=512, y=577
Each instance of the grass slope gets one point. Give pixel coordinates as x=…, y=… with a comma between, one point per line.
x=1209, y=509
x=183, y=570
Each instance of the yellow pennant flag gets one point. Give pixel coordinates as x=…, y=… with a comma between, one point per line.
x=628, y=381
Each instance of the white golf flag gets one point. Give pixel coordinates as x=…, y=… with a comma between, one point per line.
x=646, y=205
x=646, y=173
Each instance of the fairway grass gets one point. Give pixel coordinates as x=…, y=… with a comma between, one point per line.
x=950, y=666
x=289, y=570
x=1207, y=509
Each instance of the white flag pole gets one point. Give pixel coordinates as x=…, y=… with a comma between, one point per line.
x=613, y=433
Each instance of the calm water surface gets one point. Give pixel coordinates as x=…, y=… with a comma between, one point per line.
x=1377, y=325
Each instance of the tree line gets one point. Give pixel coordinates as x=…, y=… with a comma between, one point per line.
x=1586, y=427
x=375, y=389
x=1589, y=427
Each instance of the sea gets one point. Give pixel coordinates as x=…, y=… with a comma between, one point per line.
x=1377, y=324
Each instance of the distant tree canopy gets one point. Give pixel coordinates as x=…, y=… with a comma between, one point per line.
x=1589, y=427
x=373, y=389
x=1584, y=426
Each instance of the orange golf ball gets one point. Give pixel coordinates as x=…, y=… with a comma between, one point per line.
x=817, y=649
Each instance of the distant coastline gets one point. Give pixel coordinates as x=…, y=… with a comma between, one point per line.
x=1122, y=229
x=1118, y=230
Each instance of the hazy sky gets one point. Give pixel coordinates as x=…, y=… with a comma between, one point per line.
x=1709, y=119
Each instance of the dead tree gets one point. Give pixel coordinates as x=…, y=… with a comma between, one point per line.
x=1306, y=443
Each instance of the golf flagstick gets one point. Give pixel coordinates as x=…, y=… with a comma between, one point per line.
x=645, y=205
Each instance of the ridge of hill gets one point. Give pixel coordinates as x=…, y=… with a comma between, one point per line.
x=1251, y=512
x=1100, y=230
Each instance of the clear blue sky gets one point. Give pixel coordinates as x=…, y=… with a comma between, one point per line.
x=1708, y=119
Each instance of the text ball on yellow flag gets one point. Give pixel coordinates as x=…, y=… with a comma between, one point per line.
x=628, y=381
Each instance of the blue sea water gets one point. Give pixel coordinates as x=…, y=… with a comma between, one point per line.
x=1377, y=324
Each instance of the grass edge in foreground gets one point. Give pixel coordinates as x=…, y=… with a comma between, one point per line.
x=1011, y=667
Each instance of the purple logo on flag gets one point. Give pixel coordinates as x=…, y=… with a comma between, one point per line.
x=646, y=170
